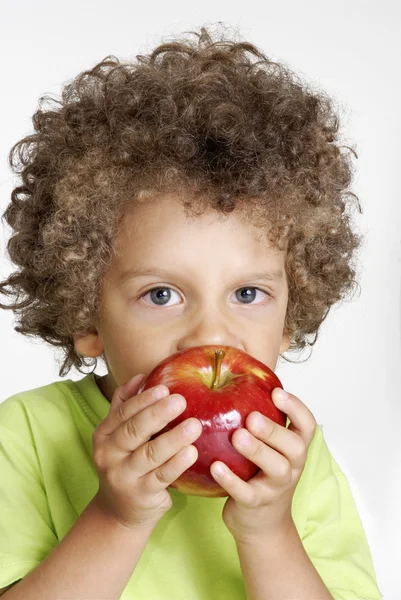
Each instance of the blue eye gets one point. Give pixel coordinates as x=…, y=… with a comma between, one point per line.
x=248, y=294
x=160, y=296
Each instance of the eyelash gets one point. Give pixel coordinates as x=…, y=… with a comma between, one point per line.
x=161, y=287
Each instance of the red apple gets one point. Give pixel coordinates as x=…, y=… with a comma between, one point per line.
x=221, y=385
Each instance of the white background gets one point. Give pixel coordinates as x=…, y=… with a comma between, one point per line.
x=351, y=49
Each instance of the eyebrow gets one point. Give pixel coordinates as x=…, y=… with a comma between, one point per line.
x=142, y=271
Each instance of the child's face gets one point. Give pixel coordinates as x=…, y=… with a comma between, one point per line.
x=210, y=269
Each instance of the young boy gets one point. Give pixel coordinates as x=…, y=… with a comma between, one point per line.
x=192, y=197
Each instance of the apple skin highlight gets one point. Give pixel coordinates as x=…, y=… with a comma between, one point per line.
x=221, y=385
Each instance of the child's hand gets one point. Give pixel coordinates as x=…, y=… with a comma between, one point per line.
x=261, y=507
x=134, y=472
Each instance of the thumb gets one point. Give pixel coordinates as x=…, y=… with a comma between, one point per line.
x=126, y=391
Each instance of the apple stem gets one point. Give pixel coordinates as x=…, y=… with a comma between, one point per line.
x=218, y=355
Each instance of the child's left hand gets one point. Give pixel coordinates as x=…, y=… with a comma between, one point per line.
x=261, y=507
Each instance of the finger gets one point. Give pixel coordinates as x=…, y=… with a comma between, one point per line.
x=271, y=462
x=131, y=387
x=156, y=452
x=170, y=471
x=126, y=402
x=303, y=423
x=236, y=487
x=283, y=442
x=137, y=430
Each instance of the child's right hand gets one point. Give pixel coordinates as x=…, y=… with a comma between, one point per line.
x=133, y=471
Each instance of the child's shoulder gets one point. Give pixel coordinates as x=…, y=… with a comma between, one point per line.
x=53, y=392
x=43, y=404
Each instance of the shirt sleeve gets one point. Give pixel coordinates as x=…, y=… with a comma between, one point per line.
x=334, y=538
x=26, y=532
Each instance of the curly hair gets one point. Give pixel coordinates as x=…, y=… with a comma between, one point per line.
x=214, y=121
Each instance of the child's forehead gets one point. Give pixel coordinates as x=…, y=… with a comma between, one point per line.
x=169, y=211
x=161, y=235
x=164, y=219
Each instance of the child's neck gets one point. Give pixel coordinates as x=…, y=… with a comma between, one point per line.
x=103, y=385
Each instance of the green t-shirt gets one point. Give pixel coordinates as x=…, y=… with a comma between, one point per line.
x=48, y=478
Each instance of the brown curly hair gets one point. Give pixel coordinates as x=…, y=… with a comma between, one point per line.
x=214, y=121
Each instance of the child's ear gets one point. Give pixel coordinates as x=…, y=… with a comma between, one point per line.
x=88, y=344
x=285, y=342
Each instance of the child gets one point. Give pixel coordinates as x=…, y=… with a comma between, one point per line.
x=197, y=196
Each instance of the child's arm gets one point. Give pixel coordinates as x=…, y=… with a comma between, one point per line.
x=306, y=542
x=97, y=556
x=95, y=559
x=280, y=569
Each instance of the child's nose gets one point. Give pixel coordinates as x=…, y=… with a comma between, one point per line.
x=209, y=328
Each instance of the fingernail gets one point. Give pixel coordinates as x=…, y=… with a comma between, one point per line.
x=258, y=420
x=176, y=403
x=219, y=470
x=139, y=381
x=281, y=395
x=243, y=438
x=160, y=392
x=192, y=427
